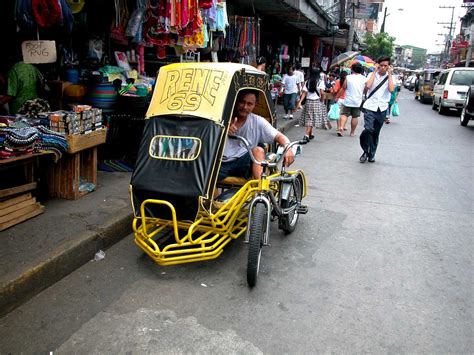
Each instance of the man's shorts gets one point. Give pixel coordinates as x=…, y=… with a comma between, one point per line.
x=350, y=111
x=241, y=167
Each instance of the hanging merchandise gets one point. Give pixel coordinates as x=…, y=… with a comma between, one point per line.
x=141, y=59
x=76, y=5
x=135, y=22
x=24, y=14
x=117, y=34
x=241, y=39
x=205, y=4
x=324, y=63
x=47, y=13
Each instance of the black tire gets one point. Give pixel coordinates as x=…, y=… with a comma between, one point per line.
x=258, y=227
x=288, y=222
x=433, y=104
x=464, y=118
x=442, y=110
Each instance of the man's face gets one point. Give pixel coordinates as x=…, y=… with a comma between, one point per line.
x=383, y=67
x=245, y=105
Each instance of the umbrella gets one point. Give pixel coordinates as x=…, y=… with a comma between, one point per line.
x=364, y=64
x=343, y=57
x=363, y=58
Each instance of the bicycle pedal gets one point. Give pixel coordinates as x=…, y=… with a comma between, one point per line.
x=302, y=209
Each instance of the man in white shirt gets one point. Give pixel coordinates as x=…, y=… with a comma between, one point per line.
x=354, y=87
x=376, y=107
x=291, y=87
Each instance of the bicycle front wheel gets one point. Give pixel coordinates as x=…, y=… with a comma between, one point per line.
x=257, y=229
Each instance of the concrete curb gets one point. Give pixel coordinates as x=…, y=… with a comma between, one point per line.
x=67, y=258
x=64, y=260
x=287, y=125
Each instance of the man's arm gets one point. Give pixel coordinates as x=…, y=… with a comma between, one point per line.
x=391, y=85
x=370, y=82
x=283, y=140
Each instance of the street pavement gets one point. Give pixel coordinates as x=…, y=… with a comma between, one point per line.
x=382, y=263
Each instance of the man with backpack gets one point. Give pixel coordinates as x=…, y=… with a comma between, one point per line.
x=379, y=88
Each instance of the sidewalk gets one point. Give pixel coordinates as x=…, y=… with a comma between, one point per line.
x=39, y=252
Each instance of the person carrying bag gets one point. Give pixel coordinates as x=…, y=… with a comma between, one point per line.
x=376, y=107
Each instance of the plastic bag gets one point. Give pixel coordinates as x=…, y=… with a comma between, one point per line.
x=395, y=110
x=334, y=112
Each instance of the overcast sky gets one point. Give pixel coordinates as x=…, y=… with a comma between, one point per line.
x=417, y=24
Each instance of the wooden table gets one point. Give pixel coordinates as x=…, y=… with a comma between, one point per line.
x=64, y=178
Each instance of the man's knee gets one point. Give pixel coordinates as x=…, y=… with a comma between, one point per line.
x=258, y=152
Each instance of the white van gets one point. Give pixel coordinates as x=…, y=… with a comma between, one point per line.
x=451, y=89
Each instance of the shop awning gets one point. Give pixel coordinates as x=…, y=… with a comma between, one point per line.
x=305, y=15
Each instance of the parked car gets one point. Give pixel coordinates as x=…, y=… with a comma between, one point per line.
x=467, y=112
x=412, y=82
x=407, y=82
x=450, y=91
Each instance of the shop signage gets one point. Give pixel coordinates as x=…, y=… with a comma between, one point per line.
x=38, y=52
x=305, y=62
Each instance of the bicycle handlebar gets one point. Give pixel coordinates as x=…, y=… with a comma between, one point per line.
x=265, y=162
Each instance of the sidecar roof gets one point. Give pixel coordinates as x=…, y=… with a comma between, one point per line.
x=204, y=90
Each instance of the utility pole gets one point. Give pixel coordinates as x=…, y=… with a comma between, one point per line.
x=451, y=28
x=382, y=29
x=350, y=40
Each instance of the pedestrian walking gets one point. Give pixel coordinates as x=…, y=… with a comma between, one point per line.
x=354, y=86
x=339, y=95
x=314, y=112
x=300, y=75
x=291, y=87
x=379, y=88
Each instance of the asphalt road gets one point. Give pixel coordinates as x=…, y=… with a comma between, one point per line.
x=382, y=263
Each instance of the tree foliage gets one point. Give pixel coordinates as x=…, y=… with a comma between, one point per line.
x=378, y=45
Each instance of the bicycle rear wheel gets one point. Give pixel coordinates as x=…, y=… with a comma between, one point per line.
x=288, y=222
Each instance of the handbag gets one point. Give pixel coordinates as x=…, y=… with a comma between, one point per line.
x=334, y=112
x=395, y=110
x=371, y=93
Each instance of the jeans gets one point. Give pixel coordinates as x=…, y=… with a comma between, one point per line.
x=369, y=138
x=289, y=101
x=241, y=167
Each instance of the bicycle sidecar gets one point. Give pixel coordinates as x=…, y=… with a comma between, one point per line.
x=172, y=186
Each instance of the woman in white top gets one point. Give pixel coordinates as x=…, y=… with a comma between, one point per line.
x=314, y=112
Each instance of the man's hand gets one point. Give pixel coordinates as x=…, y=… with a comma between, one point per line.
x=233, y=126
x=376, y=67
x=289, y=158
x=390, y=69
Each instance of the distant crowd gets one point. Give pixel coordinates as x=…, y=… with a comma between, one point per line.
x=339, y=95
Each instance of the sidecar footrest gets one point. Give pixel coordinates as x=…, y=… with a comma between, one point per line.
x=302, y=209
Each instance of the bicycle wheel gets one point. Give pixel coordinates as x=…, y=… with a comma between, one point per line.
x=288, y=222
x=258, y=227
